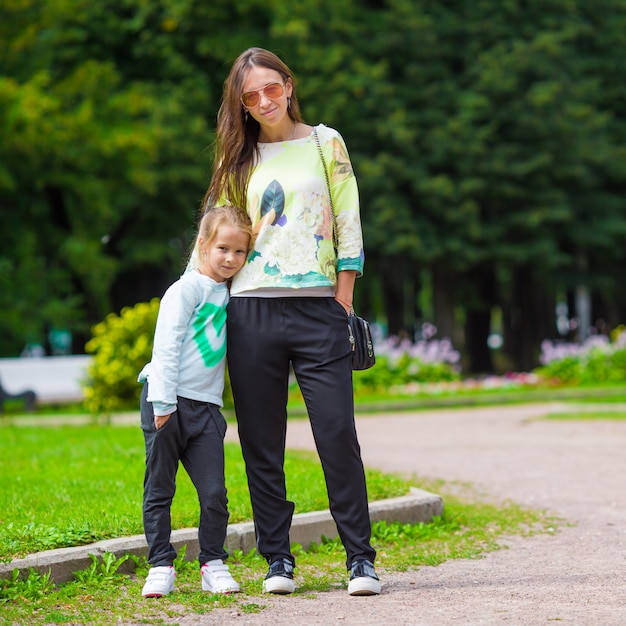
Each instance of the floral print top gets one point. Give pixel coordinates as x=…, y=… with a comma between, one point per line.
x=289, y=207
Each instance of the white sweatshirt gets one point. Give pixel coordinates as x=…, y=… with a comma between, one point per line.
x=189, y=349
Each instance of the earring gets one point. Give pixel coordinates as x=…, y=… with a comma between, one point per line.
x=289, y=102
x=245, y=116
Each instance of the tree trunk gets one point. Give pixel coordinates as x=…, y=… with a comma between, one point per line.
x=392, y=270
x=417, y=314
x=443, y=306
x=606, y=314
x=528, y=318
x=583, y=313
x=478, y=319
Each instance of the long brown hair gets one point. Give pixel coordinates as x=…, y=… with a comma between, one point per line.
x=237, y=134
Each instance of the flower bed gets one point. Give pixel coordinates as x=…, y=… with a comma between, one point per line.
x=599, y=359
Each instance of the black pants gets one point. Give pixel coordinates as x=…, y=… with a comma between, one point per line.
x=194, y=435
x=265, y=336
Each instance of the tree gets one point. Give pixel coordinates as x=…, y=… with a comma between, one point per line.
x=487, y=137
x=490, y=156
x=101, y=168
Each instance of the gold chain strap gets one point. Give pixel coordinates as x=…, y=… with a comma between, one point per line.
x=330, y=196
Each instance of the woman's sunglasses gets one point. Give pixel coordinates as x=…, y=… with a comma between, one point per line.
x=272, y=91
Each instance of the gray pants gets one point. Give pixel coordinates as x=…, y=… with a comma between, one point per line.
x=265, y=336
x=194, y=435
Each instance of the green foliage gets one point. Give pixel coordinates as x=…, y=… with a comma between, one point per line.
x=102, y=571
x=16, y=535
x=90, y=138
x=121, y=345
x=596, y=361
x=30, y=589
x=483, y=134
x=567, y=370
x=594, y=367
x=390, y=373
x=486, y=134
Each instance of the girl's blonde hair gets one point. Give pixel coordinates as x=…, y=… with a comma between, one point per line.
x=224, y=215
x=237, y=132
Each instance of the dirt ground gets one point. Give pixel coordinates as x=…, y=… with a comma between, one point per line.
x=575, y=469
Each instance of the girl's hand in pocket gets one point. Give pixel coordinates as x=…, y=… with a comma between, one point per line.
x=161, y=420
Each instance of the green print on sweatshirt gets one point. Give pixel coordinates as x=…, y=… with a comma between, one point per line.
x=212, y=345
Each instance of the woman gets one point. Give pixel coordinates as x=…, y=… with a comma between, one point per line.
x=289, y=306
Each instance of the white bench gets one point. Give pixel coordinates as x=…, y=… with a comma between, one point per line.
x=52, y=378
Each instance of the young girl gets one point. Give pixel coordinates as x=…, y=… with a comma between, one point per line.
x=181, y=401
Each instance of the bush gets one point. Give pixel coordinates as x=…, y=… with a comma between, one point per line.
x=401, y=362
x=596, y=360
x=122, y=345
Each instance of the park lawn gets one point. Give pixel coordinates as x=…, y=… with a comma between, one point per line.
x=463, y=394
x=69, y=485
x=440, y=397
x=72, y=485
x=590, y=414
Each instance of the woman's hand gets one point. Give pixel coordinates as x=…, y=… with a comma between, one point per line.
x=345, y=305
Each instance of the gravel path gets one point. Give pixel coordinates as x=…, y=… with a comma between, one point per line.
x=575, y=469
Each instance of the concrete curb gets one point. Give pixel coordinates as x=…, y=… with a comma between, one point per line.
x=306, y=528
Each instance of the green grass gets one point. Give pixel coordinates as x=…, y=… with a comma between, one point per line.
x=373, y=402
x=102, y=594
x=72, y=485
x=587, y=415
x=75, y=484
x=16, y=407
x=382, y=401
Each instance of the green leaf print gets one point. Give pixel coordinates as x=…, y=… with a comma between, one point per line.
x=209, y=333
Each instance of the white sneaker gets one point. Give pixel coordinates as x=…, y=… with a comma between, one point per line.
x=217, y=579
x=160, y=581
